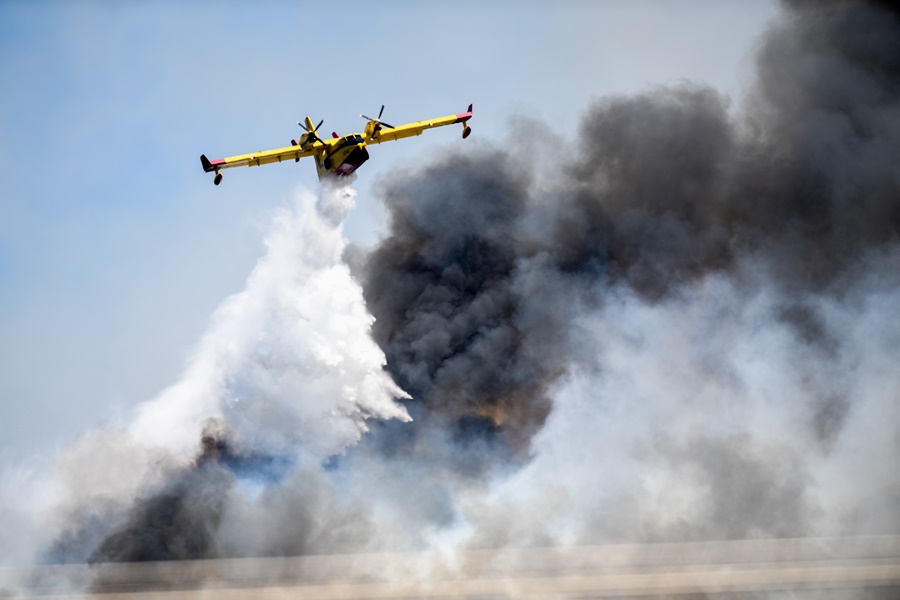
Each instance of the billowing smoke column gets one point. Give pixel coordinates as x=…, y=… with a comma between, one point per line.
x=448, y=304
x=665, y=188
x=699, y=320
x=691, y=332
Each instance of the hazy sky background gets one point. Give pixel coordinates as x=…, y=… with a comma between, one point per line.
x=115, y=247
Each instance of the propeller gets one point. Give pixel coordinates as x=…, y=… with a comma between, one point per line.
x=378, y=119
x=312, y=132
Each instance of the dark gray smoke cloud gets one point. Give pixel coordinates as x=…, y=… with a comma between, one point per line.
x=663, y=188
x=447, y=308
x=688, y=334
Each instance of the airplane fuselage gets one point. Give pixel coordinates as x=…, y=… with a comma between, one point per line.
x=343, y=157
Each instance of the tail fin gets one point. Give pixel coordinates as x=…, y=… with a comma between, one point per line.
x=207, y=166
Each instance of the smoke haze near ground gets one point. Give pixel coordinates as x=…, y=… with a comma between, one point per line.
x=690, y=333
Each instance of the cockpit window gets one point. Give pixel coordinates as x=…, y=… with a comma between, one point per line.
x=350, y=140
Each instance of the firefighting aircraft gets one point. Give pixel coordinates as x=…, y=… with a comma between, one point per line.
x=338, y=156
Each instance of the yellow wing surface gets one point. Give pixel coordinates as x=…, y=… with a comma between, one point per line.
x=376, y=134
x=264, y=157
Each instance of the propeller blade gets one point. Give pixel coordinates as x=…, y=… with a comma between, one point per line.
x=368, y=118
x=381, y=111
x=300, y=123
x=319, y=125
x=383, y=124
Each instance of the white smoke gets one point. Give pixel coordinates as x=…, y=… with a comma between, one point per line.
x=710, y=415
x=728, y=409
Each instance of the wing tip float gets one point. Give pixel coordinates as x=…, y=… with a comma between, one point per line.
x=339, y=156
x=210, y=166
x=463, y=118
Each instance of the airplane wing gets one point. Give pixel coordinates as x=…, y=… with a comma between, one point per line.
x=387, y=134
x=265, y=157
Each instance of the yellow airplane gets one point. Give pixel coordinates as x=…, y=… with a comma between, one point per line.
x=339, y=156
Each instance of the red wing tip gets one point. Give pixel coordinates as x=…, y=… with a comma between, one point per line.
x=465, y=116
x=210, y=165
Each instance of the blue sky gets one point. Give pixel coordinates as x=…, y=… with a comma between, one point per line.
x=115, y=247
